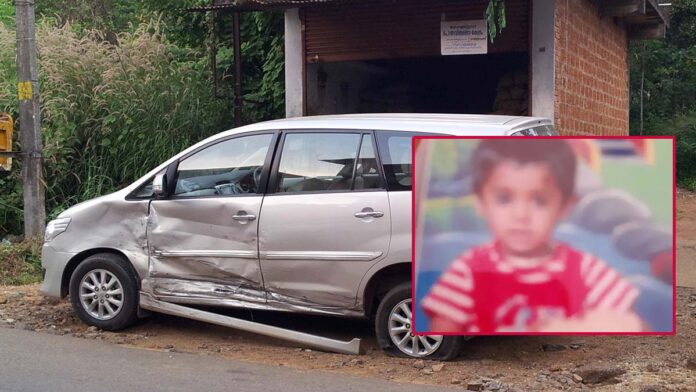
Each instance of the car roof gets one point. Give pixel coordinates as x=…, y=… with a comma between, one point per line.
x=448, y=124
x=451, y=124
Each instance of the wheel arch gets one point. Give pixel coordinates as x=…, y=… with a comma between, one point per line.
x=82, y=256
x=381, y=282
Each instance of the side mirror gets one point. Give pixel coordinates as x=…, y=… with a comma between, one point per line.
x=159, y=185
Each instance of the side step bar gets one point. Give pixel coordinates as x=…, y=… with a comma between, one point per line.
x=352, y=347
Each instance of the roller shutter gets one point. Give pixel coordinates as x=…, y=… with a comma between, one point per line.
x=379, y=29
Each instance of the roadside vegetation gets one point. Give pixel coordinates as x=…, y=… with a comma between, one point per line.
x=666, y=69
x=20, y=262
x=125, y=86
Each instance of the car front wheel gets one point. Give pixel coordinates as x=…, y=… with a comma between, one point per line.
x=394, y=325
x=104, y=292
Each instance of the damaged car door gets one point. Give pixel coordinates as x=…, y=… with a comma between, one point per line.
x=202, y=235
x=325, y=222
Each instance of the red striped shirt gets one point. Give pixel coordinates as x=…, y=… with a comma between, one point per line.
x=483, y=292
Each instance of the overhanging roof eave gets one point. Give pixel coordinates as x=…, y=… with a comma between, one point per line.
x=256, y=5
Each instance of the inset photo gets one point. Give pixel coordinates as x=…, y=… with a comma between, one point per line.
x=544, y=235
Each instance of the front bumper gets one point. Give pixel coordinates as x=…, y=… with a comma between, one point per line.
x=54, y=264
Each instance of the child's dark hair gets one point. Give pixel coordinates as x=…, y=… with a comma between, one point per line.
x=557, y=153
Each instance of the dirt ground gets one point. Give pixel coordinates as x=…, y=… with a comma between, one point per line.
x=686, y=239
x=643, y=363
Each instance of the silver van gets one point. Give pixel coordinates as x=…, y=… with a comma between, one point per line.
x=307, y=215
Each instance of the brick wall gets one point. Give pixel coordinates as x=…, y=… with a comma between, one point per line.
x=591, y=62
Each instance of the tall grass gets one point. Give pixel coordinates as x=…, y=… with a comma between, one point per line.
x=7, y=12
x=111, y=111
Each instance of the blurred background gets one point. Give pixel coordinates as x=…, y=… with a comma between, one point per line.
x=624, y=214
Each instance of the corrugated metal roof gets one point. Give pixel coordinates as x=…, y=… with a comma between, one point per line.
x=651, y=12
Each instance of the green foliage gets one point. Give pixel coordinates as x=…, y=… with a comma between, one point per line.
x=682, y=31
x=7, y=13
x=262, y=36
x=20, y=263
x=495, y=16
x=263, y=64
x=668, y=86
x=111, y=111
x=11, y=213
x=109, y=17
x=126, y=84
x=683, y=126
x=667, y=69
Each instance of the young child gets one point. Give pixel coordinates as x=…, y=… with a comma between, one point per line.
x=525, y=281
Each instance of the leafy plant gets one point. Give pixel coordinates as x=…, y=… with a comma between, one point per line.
x=663, y=76
x=124, y=85
x=111, y=111
x=684, y=128
x=262, y=42
x=7, y=13
x=495, y=16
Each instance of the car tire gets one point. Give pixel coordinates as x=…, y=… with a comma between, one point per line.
x=112, y=303
x=394, y=312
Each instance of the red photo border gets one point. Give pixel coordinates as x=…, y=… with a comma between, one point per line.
x=416, y=140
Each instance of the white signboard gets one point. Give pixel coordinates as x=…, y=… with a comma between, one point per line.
x=464, y=37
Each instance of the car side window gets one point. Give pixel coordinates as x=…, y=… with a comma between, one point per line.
x=395, y=151
x=231, y=167
x=367, y=174
x=316, y=162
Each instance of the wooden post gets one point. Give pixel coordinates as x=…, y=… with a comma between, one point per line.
x=237, y=70
x=29, y=120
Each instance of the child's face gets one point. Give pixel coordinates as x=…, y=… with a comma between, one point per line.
x=522, y=204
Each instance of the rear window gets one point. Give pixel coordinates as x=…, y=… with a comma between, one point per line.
x=395, y=153
x=543, y=130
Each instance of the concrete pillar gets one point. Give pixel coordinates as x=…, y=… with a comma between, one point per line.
x=543, y=58
x=294, y=86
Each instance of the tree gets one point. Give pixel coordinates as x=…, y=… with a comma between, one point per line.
x=663, y=77
x=663, y=73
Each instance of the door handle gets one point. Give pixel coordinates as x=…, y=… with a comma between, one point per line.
x=369, y=214
x=243, y=216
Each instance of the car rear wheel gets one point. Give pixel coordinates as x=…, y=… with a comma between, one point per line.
x=394, y=325
x=104, y=292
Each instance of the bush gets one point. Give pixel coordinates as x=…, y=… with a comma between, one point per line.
x=20, y=263
x=684, y=128
x=7, y=12
x=110, y=111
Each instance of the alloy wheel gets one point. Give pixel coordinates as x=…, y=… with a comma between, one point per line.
x=101, y=294
x=401, y=333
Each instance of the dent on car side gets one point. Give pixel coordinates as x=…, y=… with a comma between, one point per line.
x=106, y=223
x=180, y=249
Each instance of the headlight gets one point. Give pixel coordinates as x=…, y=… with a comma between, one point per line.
x=56, y=227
